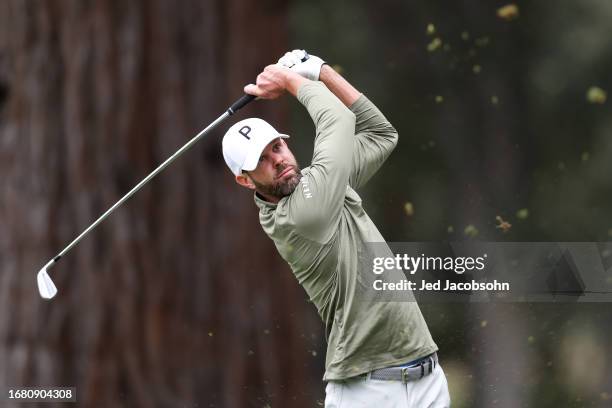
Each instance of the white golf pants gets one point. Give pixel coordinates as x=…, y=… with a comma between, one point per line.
x=430, y=391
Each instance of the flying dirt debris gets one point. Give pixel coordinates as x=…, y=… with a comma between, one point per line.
x=502, y=224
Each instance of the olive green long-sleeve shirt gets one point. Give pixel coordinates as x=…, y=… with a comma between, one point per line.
x=321, y=230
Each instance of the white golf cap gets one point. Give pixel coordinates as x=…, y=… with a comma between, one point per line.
x=244, y=142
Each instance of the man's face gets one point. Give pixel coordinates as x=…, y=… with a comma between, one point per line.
x=277, y=173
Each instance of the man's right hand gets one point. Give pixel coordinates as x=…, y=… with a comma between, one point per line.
x=274, y=81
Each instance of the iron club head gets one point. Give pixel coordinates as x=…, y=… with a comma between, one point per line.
x=46, y=287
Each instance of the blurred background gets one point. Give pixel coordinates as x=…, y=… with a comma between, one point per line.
x=180, y=300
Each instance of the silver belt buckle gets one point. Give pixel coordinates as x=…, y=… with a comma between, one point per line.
x=405, y=375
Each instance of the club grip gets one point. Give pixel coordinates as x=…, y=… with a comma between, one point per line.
x=240, y=103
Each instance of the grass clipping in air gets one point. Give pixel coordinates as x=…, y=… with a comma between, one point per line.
x=508, y=12
x=596, y=95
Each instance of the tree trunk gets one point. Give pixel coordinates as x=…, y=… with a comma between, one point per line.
x=178, y=298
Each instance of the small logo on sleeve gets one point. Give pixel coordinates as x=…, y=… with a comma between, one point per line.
x=305, y=188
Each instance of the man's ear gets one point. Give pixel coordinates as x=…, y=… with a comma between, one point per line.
x=245, y=181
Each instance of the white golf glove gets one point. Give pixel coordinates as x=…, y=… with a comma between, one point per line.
x=299, y=61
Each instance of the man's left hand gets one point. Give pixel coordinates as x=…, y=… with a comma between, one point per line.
x=299, y=61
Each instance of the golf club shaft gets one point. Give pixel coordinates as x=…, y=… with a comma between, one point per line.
x=233, y=109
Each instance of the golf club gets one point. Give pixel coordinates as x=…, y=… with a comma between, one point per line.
x=46, y=287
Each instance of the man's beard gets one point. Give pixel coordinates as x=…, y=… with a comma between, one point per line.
x=283, y=187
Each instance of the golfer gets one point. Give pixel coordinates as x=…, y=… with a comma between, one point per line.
x=379, y=354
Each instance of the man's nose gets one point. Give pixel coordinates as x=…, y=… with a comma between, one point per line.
x=277, y=159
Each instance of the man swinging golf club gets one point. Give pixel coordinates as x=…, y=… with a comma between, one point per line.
x=379, y=354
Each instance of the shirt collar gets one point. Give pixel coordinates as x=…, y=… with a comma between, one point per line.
x=263, y=204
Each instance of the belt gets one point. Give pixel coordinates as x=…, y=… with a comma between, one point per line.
x=419, y=369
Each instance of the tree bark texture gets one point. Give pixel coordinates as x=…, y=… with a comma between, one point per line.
x=178, y=299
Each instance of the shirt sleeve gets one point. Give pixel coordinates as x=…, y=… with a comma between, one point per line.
x=314, y=208
x=375, y=139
